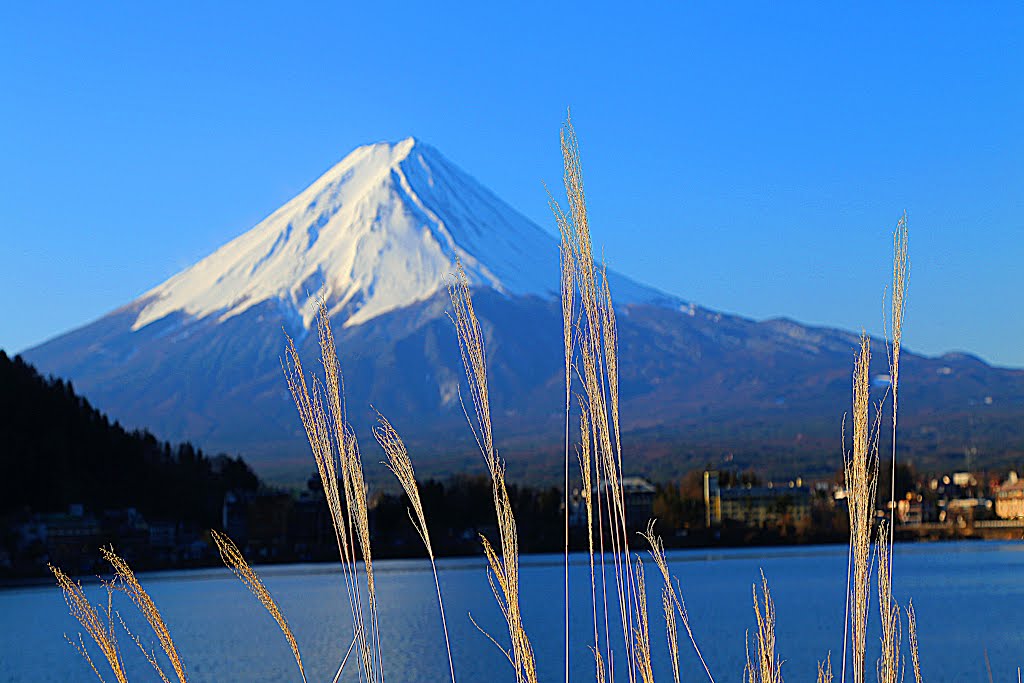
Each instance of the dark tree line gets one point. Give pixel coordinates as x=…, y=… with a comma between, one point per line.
x=56, y=449
x=460, y=509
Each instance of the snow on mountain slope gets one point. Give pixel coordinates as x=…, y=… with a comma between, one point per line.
x=377, y=232
x=198, y=357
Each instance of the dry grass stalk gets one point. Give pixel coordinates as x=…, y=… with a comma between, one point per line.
x=825, y=670
x=889, y=614
x=861, y=469
x=589, y=442
x=100, y=629
x=141, y=599
x=504, y=568
x=613, y=458
x=671, y=630
x=235, y=561
x=340, y=468
x=474, y=360
x=401, y=465
x=912, y=629
x=641, y=633
x=611, y=358
x=601, y=676
x=598, y=359
x=318, y=432
x=768, y=668
x=587, y=492
x=900, y=269
x=657, y=551
x=567, y=263
x=568, y=289
x=354, y=485
x=149, y=654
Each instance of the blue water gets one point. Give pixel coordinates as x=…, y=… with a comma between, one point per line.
x=969, y=599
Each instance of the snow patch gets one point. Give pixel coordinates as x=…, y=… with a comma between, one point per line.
x=379, y=231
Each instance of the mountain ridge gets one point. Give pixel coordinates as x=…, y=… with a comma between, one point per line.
x=384, y=208
x=198, y=357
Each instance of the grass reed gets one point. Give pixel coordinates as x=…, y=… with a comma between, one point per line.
x=861, y=481
x=912, y=629
x=144, y=603
x=100, y=628
x=339, y=465
x=825, y=670
x=567, y=282
x=900, y=271
x=597, y=369
x=504, y=563
x=671, y=630
x=767, y=668
x=642, y=632
x=235, y=561
x=657, y=550
x=889, y=660
x=401, y=465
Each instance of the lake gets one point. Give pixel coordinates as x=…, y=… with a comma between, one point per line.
x=969, y=599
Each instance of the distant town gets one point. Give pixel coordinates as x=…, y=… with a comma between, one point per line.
x=75, y=481
x=954, y=505
x=703, y=508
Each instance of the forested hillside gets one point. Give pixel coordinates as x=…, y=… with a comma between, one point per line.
x=57, y=450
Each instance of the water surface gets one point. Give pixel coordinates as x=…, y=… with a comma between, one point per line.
x=969, y=599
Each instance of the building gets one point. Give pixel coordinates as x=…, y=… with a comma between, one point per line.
x=72, y=538
x=756, y=506
x=913, y=508
x=963, y=511
x=638, y=497
x=1010, y=498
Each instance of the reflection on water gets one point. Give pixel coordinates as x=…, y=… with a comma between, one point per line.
x=969, y=599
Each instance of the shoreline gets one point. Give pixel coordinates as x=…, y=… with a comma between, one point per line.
x=35, y=581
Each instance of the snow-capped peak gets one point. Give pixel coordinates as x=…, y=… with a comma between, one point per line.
x=378, y=231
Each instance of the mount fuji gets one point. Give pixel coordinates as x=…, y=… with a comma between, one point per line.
x=378, y=232
x=197, y=357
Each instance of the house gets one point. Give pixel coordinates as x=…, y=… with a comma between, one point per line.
x=72, y=539
x=1010, y=498
x=756, y=506
x=961, y=511
x=638, y=498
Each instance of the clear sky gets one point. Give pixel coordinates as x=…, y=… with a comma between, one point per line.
x=749, y=158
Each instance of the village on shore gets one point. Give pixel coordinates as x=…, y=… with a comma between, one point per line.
x=705, y=508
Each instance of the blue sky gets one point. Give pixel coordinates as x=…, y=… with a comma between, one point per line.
x=750, y=158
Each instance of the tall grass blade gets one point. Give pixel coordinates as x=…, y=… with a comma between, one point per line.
x=235, y=561
x=861, y=469
x=322, y=411
x=825, y=670
x=657, y=550
x=912, y=628
x=147, y=607
x=768, y=668
x=401, y=465
x=889, y=670
x=504, y=568
x=100, y=629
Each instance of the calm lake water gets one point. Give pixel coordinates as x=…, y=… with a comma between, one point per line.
x=969, y=599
